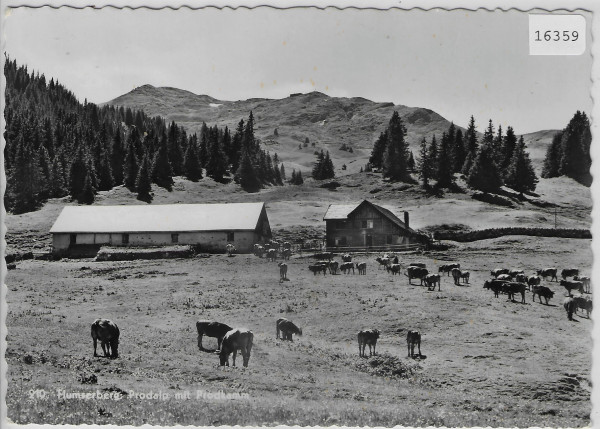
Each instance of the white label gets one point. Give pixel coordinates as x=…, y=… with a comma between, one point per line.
x=556, y=34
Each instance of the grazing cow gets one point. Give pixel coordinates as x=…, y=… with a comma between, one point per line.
x=534, y=281
x=515, y=273
x=413, y=338
x=345, y=267
x=496, y=272
x=271, y=255
x=287, y=245
x=367, y=337
x=210, y=328
x=237, y=339
x=569, y=272
x=230, y=248
x=542, y=291
x=521, y=278
x=286, y=253
x=393, y=268
x=431, y=280
x=513, y=288
x=417, y=264
x=282, y=272
x=504, y=277
x=465, y=276
x=108, y=334
x=361, y=267
x=333, y=267
x=586, y=282
x=318, y=268
x=572, y=285
x=583, y=303
x=383, y=262
x=287, y=328
x=548, y=272
x=456, y=273
x=346, y=257
x=259, y=250
x=569, y=305
x=447, y=268
x=495, y=285
x=416, y=273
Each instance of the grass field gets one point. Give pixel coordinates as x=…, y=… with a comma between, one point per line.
x=488, y=362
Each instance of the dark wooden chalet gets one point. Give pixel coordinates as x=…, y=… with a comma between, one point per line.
x=365, y=225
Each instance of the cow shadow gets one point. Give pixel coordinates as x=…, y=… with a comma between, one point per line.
x=419, y=357
x=205, y=350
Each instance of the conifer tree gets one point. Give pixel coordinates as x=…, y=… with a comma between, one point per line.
x=317, y=171
x=77, y=175
x=424, y=164
x=282, y=171
x=508, y=148
x=293, y=178
x=396, y=156
x=174, y=149
x=299, y=178
x=247, y=176
x=411, y=161
x=376, y=159
x=105, y=176
x=520, y=175
x=216, y=165
x=87, y=195
x=57, y=179
x=143, y=184
x=44, y=167
x=458, y=152
x=471, y=145
x=444, y=174
x=191, y=163
x=433, y=158
x=484, y=174
x=553, y=156
x=130, y=167
x=162, y=174
x=116, y=157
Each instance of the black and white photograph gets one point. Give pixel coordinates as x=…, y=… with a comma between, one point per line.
x=311, y=216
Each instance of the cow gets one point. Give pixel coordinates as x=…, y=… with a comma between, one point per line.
x=271, y=255
x=282, y=271
x=569, y=305
x=572, y=285
x=230, y=249
x=456, y=273
x=287, y=328
x=108, y=334
x=333, y=267
x=542, y=291
x=394, y=268
x=413, y=338
x=367, y=337
x=210, y=328
x=285, y=254
x=287, y=245
x=259, y=250
x=318, y=268
x=521, y=278
x=504, y=277
x=534, y=281
x=416, y=273
x=345, y=267
x=417, y=264
x=515, y=273
x=569, y=272
x=583, y=303
x=447, y=268
x=513, y=288
x=383, y=262
x=548, y=272
x=361, y=267
x=495, y=285
x=586, y=282
x=496, y=272
x=236, y=339
x=431, y=280
x=465, y=276
x=346, y=257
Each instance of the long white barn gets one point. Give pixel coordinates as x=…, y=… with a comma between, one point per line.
x=83, y=229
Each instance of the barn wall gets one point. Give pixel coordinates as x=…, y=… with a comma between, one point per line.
x=351, y=232
x=60, y=242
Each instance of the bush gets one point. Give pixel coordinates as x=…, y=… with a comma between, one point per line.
x=486, y=234
x=492, y=199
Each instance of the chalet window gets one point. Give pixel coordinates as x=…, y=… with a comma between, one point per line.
x=230, y=236
x=367, y=224
x=174, y=238
x=389, y=239
x=73, y=239
x=125, y=239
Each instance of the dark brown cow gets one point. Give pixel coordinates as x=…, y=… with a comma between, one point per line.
x=237, y=339
x=210, y=328
x=108, y=334
x=548, y=272
x=583, y=303
x=542, y=291
x=318, y=268
x=431, y=280
x=495, y=273
x=333, y=267
x=287, y=328
x=495, y=285
x=345, y=267
x=572, y=285
x=361, y=267
x=416, y=273
x=367, y=337
x=413, y=338
x=271, y=255
x=447, y=268
x=569, y=272
x=513, y=288
x=393, y=268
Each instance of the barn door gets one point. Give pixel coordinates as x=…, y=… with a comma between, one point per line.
x=368, y=240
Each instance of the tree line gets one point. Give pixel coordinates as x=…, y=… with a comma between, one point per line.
x=498, y=159
x=57, y=146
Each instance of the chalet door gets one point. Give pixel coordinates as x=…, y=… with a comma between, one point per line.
x=368, y=240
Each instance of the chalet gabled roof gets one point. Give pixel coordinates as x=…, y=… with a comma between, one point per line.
x=343, y=211
x=158, y=218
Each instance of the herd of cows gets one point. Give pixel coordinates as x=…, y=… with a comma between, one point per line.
x=503, y=281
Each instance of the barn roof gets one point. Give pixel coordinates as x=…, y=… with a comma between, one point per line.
x=158, y=218
x=342, y=211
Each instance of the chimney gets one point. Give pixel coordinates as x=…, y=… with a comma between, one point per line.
x=406, y=219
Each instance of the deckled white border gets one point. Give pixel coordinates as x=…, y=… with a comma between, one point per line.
x=522, y=5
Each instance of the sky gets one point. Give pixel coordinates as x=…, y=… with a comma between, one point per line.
x=457, y=63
